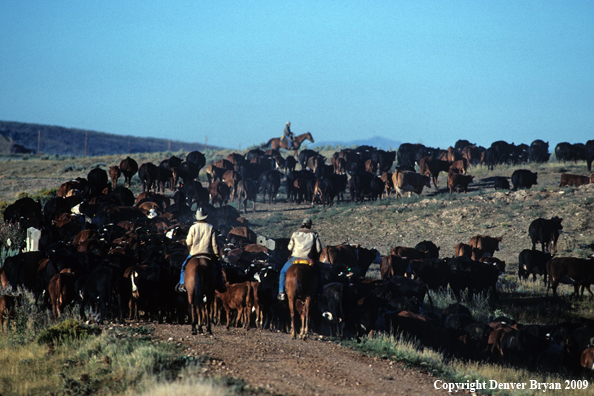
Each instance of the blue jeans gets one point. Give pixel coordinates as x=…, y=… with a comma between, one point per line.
x=283, y=274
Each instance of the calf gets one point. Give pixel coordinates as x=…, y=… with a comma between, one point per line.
x=546, y=232
x=532, y=262
x=578, y=272
x=114, y=175
x=7, y=310
x=240, y=297
x=523, y=178
x=573, y=180
x=457, y=181
x=61, y=291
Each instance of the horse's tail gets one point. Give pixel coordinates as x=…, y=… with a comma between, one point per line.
x=267, y=144
x=198, y=291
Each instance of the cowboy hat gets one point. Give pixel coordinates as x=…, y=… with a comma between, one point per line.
x=307, y=222
x=200, y=215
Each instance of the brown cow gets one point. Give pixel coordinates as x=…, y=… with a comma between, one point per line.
x=128, y=167
x=463, y=249
x=486, y=243
x=219, y=193
x=244, y=234
x=246, y=190
x=431, y=167
x=579, y=272
x=371, y=166
x=388, y=184
x=7, y=310
x=458, y=167
x=392, y=266
x=235, y=159
x=224, y=164
x=453, y=155
x=214, y=173
x=472, y=154
x=587, y=359
x=239, y=297
x=573, y=180
x=85, y=235
x=339, y=165
x=314, y=162
x=61, y=291
x=410, y=181
x=114, y=175
x=457, y=181
x=231, y=178
x=409, y=253
x=66, y=187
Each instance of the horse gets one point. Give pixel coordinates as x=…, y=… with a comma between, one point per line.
x=200, y=281
x=284, y=143
x=301, y=284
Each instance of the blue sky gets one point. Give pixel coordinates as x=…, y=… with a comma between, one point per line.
x=235, y=72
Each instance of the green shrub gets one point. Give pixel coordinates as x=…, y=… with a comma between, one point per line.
x=67, y=330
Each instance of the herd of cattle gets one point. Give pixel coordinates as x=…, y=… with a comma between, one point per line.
x=115, y=254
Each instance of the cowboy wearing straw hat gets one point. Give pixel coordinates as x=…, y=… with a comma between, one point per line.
x=201, y=240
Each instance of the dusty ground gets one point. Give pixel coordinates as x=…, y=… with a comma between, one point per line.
x=272, y=363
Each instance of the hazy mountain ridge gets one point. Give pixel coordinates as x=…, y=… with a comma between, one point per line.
x=65, y=141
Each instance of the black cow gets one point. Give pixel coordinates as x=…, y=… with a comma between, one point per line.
x=148, y=175
x=570, y=152
x=539, y=151
x=546, y=232
x=589, y=154
x=385, y=159
x=98, y=180
x=21, y=210
x=532, y=262
x=472, y=275
x=523, y=178
x=407, y=153
x=197, y=159
x=428, y=247
x=335, y=307
x=100, y=287
x=433, y=271
x=360, y=186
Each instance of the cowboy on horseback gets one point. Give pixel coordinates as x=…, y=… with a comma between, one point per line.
x=287, y=134
x=305, y=243
x=201, y=242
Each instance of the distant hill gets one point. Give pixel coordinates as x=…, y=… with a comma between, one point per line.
x=376, y=141
x=23, y=137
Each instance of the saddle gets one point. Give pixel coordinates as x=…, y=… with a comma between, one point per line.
x=304, y=262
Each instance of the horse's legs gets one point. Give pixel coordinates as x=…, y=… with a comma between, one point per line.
x=293, y=319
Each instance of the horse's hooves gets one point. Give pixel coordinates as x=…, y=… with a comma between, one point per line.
x=194, y=332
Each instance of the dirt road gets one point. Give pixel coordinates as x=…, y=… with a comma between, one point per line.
x=270, y=362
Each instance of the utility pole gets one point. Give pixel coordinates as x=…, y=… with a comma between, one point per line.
x=38, y=143
x=86, y=141
x=129, y=146
x=205, y=140
x=169, y=146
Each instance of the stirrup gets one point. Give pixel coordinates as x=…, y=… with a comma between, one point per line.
x=180, y=288
x=281, y=296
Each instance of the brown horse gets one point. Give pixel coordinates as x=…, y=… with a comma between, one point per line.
x=200, y=281
x=301, y=284
x=284, y=143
